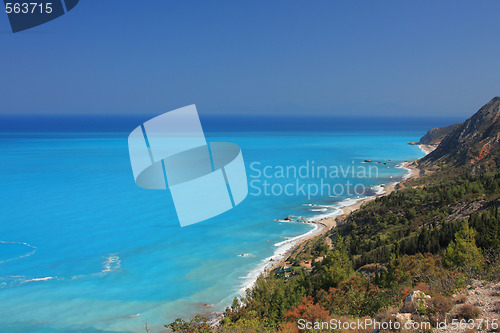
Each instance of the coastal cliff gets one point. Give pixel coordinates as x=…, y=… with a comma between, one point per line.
x=435, y=135
x=472, y=141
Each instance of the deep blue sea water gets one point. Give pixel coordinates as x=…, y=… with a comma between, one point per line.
x=83, y=249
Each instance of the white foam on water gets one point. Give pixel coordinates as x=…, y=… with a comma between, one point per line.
x=337, y=209
x=349, y=201
x=18, y=280
x=335, y=212
x=314, y=205
x=409, y=172
x=34, y=248
x=133, y=316
x=47, y=278
x=423, y=149
x=111, y=263
x=379, y=189
x=279, y=253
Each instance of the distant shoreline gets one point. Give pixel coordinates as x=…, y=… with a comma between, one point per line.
x=426, y=148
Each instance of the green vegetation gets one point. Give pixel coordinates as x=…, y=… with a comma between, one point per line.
x=391, y=224
x=436, y=235
x=463, y=252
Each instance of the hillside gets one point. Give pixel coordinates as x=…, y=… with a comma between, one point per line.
x=436, y=135
x=476, y=139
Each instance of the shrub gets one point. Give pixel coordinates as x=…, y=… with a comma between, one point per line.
x=496, y=307
x=423, y=287
x=387, y=315
x=440, y=304
x=438, y=307
x=409, y=307
x=308, y=310
x=467, y=312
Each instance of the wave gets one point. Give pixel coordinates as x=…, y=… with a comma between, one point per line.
x=281, y=251
x=299, y=237
x=111, y=263
x=314, y=205
x=47, y=278
x=409, y=172
x=319, y=217
x=332, y=210
x=423, y=149
x=34, y=249
x=18, y=280
x=378, y=189
x=133, y=316
x=337, y=209
x=349, y=201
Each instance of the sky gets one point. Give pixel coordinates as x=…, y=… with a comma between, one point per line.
x=423, y=58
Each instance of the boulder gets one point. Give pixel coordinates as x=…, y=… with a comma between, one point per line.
x=403, y=317
x=416, y=295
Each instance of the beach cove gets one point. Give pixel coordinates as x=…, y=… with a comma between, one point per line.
x=323, y=225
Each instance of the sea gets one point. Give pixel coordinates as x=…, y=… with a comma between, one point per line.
x=85, y=250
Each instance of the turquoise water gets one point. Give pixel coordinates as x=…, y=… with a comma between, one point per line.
x=83, y=249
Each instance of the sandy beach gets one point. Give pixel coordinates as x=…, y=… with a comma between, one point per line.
x=427, y=148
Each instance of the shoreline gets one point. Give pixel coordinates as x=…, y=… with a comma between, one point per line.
x=426, y=148
x=328, y=223
x=323, y=225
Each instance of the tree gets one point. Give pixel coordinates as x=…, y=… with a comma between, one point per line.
x=337, y=266
x=197, y=324
x=307, y=310
x=463, y=253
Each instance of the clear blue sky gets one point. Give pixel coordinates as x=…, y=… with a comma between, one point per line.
x=327, y=57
